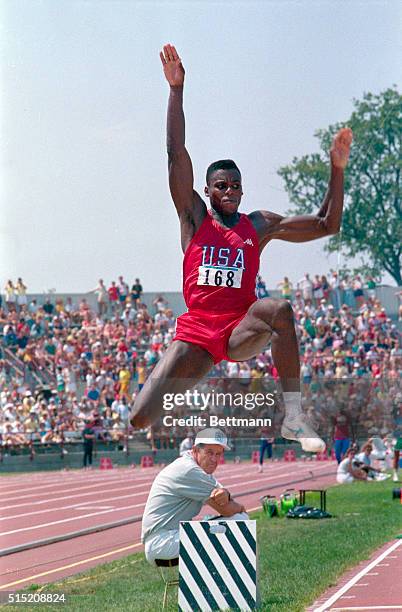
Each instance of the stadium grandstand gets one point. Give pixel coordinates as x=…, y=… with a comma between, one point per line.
x=65, y=362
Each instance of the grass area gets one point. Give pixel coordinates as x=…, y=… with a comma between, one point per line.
x=299, y=559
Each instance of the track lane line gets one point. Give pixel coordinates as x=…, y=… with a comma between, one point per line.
x=82, y=562
x=260, y=480
x=66, y=520
x=328, y=603
x=69, y=566
x=145, y=478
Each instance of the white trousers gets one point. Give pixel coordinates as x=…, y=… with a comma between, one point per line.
x=344, y=478
x=166, y=544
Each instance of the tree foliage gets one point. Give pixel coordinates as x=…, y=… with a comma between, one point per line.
x=372, y=218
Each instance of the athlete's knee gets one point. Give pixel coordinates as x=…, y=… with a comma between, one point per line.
x=283, y=314
x=141, y=412
x=275, y=313
x=138, y=417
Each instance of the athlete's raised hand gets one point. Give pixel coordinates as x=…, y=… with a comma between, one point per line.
x=341, y=148
x=172, y=66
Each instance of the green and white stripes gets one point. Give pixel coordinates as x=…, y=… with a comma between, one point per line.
x=217, y=567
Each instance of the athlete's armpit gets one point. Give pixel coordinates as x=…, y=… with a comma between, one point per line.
x=191, y=219
x=270, y=226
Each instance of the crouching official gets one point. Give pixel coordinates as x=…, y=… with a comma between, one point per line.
x=179, y=492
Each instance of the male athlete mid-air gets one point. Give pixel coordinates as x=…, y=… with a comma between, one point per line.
x=222, y=249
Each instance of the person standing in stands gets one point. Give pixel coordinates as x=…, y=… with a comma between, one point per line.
x=89, y=436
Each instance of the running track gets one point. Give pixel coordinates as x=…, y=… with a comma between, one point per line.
x=375, y=584
x=44, y=505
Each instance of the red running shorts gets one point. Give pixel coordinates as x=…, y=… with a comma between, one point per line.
x=209, y=330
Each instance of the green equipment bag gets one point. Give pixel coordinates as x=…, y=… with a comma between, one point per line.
x=288, y=500
x=270, y=505
x=307, y=512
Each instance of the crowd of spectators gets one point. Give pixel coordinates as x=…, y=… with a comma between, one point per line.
x=97, y=360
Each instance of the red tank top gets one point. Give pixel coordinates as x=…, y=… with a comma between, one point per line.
x=220, y=266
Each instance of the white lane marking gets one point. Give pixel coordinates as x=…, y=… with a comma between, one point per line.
x=29, y=579
x=58, y=508
x=100, y=482
x=95, y=508
x=67, y=520
x=133, y=486
x=326, y=605
x=74, y=518
x=373, y=573
x=44, y=511
x=77, y=506
x=383, y=565
x=348, y=597
x=83, y=486
x=79, y=495
x=348, y=609
x=100, y=476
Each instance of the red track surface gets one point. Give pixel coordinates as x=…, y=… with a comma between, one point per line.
x=39, y=506
x=375, y=584
x=42, y=505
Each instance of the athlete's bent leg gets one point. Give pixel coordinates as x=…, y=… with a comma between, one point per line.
x=180, y=368
x=266, y=320
x=273, y=319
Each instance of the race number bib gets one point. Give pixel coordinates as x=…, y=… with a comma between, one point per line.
x=219, y=277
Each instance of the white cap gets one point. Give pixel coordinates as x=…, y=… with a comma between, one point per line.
x=212, y=435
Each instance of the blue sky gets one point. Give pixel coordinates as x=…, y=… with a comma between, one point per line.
x=85, y=191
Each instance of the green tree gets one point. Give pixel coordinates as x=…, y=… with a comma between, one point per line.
x=372, y=218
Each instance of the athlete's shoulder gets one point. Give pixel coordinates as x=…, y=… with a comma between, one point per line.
x=264, y=216
x=264, y=220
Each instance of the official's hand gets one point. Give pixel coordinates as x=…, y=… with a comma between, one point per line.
x=341, y=148
x=172, y=66
x=220, y=496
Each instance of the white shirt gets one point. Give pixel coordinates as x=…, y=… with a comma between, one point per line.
x=363, y=458
x=343, y=467
x=177, y=494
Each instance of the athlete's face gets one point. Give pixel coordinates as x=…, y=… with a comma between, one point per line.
x=224, y=191
x=208, y=456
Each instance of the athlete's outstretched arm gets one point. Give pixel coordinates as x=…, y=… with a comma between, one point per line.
x=189, y=205
x=328, y=219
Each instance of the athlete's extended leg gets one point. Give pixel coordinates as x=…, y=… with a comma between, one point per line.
x=181, y=367
x=273, y=319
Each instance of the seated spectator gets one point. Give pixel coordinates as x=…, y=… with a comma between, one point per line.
x=346, y=472
x=179, y=492
x=363, y=461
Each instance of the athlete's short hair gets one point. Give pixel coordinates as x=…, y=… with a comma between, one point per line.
x=222, y=164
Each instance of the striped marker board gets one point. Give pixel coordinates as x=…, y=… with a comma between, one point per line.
x=217, y=566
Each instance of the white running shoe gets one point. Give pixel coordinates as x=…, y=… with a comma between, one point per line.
x=260, y=469
x=395, y=477
x=382, y=476
x=298, y=429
